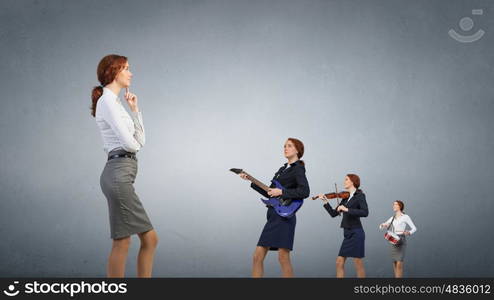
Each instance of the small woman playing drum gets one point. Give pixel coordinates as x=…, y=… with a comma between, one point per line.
x=397, y=226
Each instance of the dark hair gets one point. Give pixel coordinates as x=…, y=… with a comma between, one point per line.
x=355, y=180
x=108, y=68
x=300, y=148
x=401, y=205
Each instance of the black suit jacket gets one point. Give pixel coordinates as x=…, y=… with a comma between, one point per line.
x=357, y=208
x=292, y=179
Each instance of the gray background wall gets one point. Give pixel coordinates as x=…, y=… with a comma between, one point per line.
x=378, y=88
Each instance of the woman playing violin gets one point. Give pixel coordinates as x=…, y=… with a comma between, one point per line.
x=353, y=207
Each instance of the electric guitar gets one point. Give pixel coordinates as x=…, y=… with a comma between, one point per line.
x=280, y=206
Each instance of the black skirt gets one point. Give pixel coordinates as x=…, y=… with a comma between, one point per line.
x=353, y=243
x=278, y=232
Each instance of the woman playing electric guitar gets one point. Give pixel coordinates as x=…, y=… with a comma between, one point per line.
x=278, y=233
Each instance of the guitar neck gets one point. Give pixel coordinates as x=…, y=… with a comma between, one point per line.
x=257, y=182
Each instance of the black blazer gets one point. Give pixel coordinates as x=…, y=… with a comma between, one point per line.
x=357, y=208
x=292, y=179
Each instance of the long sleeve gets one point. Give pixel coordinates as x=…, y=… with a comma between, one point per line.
x=362, y=211
x=410, y=223
x=302, y=190
x=388, y=222
x=139, y=133
x=111, y=113
x=258, y=189
x=332, y=212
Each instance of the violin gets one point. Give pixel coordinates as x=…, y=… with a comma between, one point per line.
x=342, y=195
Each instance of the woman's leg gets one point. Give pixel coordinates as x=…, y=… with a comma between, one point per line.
x=149, y=241
x=286, y=265
x=118, y=257
x=340, y=267
x=394, y=269
x=359, y=267
x=258, y=260
x=399, y=269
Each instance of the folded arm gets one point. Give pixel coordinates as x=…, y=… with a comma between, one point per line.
x=111, y=114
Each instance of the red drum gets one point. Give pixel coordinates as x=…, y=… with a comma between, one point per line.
x=392, y=237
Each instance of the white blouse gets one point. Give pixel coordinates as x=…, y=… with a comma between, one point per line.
x=400, y=224
x=118, y=129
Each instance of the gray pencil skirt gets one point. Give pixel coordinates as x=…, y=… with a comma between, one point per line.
x=127, y=215
x=397, y=252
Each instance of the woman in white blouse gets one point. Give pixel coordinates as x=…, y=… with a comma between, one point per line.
x=123, y=136
x=398, y=224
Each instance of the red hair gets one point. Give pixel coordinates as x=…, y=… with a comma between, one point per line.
x=299, y=146
x=354, y=179
x=401, y=205
x=108, y=68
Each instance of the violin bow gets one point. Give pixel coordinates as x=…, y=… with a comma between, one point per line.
x=337, y=201
x=336, y=190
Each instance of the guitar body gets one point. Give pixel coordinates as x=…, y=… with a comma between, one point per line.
x=285, y=211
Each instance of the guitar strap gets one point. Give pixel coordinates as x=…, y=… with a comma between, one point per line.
x=392, y=223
